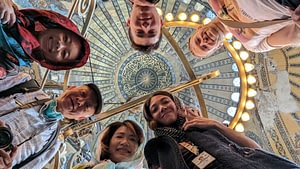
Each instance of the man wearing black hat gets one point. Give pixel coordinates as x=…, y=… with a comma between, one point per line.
x=33, y=118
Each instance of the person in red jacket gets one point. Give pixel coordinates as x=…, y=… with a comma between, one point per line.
x=44, y=36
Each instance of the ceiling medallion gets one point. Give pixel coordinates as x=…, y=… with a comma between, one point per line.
x=141, y=74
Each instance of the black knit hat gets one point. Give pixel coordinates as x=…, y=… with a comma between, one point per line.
x=99, y=97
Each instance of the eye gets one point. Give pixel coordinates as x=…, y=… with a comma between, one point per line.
x=140, y=32
x=134, y=139
x=119, y=136
x=65, y=38
x=87, y=105
x=82, y=94
x=154, y=110
x=197, y=41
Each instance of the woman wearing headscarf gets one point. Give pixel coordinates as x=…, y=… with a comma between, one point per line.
x=44, y=36
x=119, y=146
x=193, y=142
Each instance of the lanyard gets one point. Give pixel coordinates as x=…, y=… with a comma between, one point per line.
x=27, y=105
x=192, y=148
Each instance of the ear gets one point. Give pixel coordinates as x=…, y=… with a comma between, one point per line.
x=128, y=22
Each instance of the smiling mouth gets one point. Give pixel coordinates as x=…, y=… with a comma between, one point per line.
x=123, y=150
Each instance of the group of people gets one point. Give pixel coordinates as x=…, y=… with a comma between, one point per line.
x=183, y=138
x=145, y=26
x=30, y=119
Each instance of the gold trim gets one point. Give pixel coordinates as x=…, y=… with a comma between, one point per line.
x=45, y=78
x=188, y=68
x=182, y=24
x=238, y=61
x=243, y=82
x=66, y=79
x=142, y=99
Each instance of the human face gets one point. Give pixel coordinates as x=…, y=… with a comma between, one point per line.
x=123, y=144
x=163, y=109
x=59, y=45
x=145, y=24
x=206, y=40
x=77, y=102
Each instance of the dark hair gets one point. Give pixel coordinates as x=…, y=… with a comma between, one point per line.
x=153, y=1
x=110, y=131
x=98, y=94
x=146, y=110
x=144, y=48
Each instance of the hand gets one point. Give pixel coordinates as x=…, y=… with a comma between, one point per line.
x=190, y=113
x=6, y=158
x=200, y=122
x=7, y=13
x=296, y=14
x=2, y=124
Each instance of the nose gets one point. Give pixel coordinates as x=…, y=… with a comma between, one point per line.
x=124, y=141
x=145, y=25
x=80, y=101
x=60, y=45
x=162, y=108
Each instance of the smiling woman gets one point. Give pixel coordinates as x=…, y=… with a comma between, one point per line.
x=120, y=145
x=59, y=46
x=47, y=37
x=192, y=141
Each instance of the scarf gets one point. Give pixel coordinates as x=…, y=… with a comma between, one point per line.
x=50, y=112
x=174, y=130
x=12, y=51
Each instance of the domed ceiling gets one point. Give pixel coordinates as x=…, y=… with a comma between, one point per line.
x=123, y=73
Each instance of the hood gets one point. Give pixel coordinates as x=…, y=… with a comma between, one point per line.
x=29, y=19
x=135, y=162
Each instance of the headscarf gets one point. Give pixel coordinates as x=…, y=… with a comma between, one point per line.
x=135, y=162
x=33, y=20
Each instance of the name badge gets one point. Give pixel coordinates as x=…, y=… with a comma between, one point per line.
x=203, y=159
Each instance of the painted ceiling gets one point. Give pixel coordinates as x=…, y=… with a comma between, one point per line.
x=123, y=73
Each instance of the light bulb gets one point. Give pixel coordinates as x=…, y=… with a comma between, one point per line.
x=237, y=44
x=245, y=116
x=249, y=105
x=244, y=55
x=251, y=92
x=195, y=18
x=228, y=35
x=239, y=127
x=182, y=16
x=169, y=17
x=159, y=11
x=251, y=79
x=248, y=67
x=206, y=21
